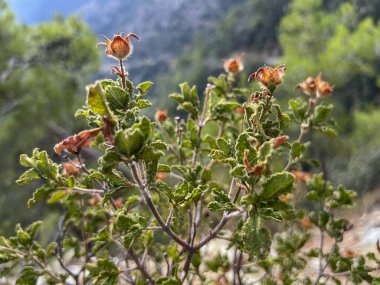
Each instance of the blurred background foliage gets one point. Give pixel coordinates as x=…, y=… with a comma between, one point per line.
x=45, y=65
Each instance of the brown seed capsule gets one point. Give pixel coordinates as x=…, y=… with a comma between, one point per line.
x=120, y=47
x=161, y=116
x=234, y=65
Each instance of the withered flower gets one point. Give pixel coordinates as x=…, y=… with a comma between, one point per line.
x=349, y=253
x=234, y=65
x=309, y=86
x=120, y=47
x=71, y=167
x=75, y=143
x=161, y=116
x=119, y=202
x=268, y=75
x=315, y=86
x=286, y=197
x=323, y=87
x=306, y=222
x=301, y=176
x=240, y=110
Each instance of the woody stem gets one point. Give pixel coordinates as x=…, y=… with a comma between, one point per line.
x=122, y=74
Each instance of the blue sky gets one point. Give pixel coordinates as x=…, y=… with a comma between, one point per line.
x=36, y=11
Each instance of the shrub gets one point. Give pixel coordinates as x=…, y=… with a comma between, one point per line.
x=162, y=193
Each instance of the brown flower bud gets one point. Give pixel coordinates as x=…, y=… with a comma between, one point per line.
x=234, y=65
x=119, y=48
x=161, y=175
x=161, y=116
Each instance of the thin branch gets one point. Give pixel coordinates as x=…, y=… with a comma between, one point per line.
x=142, y=269
x=145, y=192
x=83, y=190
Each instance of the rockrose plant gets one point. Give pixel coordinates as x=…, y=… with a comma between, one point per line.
x=215, y=195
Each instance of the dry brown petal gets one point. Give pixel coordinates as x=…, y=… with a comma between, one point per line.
x=107, y=131
x=75, y=143
x=277, y=142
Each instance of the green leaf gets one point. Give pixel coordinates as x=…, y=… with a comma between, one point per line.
x=297, y=150
x=33, y=228
x=142, y=103
x=243, y=143
x=255, y=241
x=40, y=194
x=103, y=272
x=167, y=281
x=96, y=99
x=130, y=200
x=321, y=112
x=189, y=107
x=26, y=161
x=265, y=151
x=23, y=237
x=144, y=87
x=177, y=97
x=118, y=99
x=163, y=168
x=28, y=276
x=129, y=143
x=222, y=202
x=329, y=131
x=276, y=184
x=28, y=176
x=57, y=196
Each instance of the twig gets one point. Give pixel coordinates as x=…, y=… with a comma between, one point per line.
x=83, y=190
x=145, y=192
x=143, y=270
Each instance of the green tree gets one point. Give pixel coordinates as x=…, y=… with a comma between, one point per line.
x=42, y=69
x=339, y=42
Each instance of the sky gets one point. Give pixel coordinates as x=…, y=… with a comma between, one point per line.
x=36, y=11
